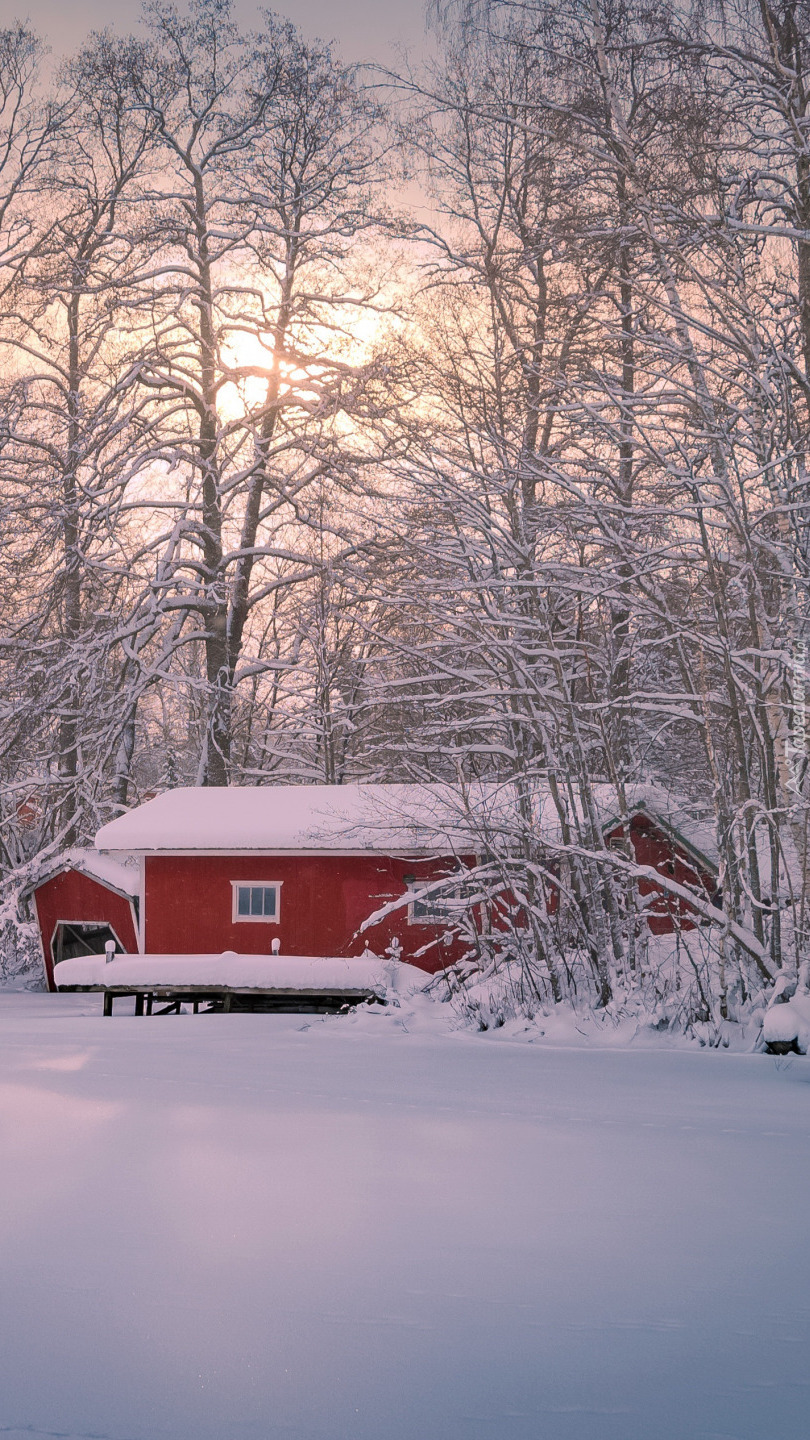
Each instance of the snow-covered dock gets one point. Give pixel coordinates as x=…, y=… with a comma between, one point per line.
x=278, y=982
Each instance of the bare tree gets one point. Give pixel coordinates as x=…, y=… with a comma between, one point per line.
x=73, y=342
x=595, y=302
x=268, y=156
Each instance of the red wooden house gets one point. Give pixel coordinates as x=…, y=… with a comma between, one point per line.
x=202, y=871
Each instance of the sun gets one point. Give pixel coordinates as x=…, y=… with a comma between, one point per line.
x=250, y=355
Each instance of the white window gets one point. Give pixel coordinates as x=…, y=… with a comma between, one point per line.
x=256, y=901
x=433, y=906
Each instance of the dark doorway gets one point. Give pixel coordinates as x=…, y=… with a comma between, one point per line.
x=75, y=937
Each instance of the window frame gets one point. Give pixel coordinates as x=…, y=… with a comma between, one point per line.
x=435, y=920
x=237, y=885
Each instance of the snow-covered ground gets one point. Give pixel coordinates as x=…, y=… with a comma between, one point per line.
x=248, y=1227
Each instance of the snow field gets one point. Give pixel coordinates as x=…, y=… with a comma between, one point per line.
x=376, y=1228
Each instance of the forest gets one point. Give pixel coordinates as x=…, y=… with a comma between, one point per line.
x=443, y=425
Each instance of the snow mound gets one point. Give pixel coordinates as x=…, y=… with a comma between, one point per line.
x=788, y=1024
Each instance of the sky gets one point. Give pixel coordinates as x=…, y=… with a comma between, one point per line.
x=364, y=29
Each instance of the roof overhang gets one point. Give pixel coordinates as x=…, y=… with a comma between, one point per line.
x=66, y=866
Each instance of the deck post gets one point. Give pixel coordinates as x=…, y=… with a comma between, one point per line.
x=139, y=998
x=108, y=1002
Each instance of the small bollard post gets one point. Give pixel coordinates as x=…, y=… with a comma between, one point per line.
x=393, y=955
x=109, y=954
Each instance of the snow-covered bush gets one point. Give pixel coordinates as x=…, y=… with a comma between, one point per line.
x=673, y=986
x=786, y=1024
x=21, y=965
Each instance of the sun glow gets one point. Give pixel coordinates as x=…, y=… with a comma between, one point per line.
x=249, y=357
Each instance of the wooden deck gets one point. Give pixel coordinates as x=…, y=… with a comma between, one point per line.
x=226, y=998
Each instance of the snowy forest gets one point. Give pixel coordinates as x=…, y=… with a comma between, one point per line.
x=443, y=425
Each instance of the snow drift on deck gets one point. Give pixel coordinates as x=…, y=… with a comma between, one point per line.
x=307, y=974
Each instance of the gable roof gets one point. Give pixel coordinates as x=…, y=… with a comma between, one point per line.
x=113, y=874
x=412, y=819
x=374, y=818
x=670, y=811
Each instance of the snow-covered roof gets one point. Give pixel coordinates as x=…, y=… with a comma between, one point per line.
x=384, y=819
x=303, y=974
x=114, y=873
x=671, y=810
x=412, y=819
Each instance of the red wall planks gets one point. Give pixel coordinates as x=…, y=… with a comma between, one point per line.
x=324, y=900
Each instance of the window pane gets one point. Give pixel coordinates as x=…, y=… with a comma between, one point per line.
x=256, y=902
x=435, y=909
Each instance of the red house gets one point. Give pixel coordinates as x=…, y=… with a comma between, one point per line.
x=313, y=870
x=296, y=868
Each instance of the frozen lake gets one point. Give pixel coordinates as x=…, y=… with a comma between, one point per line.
x=278, y=1228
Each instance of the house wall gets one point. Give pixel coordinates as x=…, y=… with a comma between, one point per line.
x=75, y=898
x=324, y=900
x=652, y=846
